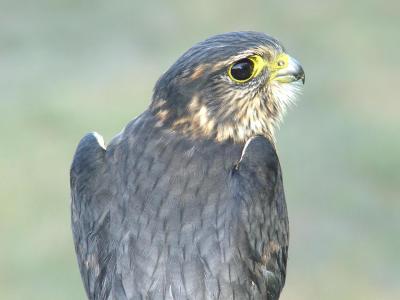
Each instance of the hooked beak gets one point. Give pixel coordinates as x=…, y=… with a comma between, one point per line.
x=290, y=72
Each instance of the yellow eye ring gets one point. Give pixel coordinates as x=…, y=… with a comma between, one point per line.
x=245, y=69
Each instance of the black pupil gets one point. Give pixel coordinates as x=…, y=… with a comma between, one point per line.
x=242, y=69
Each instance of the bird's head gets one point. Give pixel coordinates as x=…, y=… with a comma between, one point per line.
x=229, y=87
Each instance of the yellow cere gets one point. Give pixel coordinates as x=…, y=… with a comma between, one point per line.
x=280, y=62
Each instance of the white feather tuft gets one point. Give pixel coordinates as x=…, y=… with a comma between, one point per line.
x=99, y=140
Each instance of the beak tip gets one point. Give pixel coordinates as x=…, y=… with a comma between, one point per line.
x=301, y=75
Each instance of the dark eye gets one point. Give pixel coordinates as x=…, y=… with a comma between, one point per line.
x=242, y=70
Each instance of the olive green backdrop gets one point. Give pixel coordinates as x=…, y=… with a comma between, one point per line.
x=69, y=67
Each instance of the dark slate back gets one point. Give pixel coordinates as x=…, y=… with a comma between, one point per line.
x=181, y=220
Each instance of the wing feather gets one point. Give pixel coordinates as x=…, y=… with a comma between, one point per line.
x=264, y=215
x=90, y=216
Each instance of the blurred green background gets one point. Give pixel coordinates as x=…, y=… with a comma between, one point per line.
x=69, y=67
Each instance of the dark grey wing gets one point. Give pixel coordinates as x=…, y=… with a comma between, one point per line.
x=264, y=217
x=91, y=217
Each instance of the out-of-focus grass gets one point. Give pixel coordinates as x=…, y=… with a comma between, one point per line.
x=69, y=67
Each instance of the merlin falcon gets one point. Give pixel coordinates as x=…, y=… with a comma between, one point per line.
x=187, y=202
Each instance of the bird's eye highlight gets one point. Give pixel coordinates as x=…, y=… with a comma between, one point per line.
x=242, y=70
